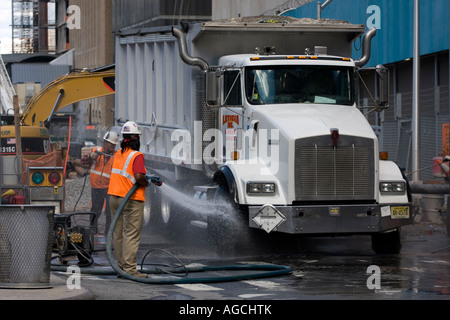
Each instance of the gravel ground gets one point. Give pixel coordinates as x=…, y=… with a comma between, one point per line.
x=75, y=188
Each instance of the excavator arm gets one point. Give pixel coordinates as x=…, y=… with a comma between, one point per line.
x=66, y=90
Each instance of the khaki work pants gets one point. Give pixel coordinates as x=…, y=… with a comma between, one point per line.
x=127, y=234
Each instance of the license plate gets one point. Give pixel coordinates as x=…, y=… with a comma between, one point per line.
x=333, y=211
x=400, y=212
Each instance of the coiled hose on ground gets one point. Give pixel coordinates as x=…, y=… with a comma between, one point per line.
x=156, y=276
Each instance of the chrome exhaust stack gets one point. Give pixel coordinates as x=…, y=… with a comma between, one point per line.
x=184, y=54
x=366, y=48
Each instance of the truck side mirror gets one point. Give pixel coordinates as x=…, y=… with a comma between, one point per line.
x=212, y=88
x=382, y=74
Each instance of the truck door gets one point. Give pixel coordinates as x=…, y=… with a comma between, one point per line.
x=230, y=115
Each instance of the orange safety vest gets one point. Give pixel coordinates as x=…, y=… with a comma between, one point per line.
x=122, y=176
x=101, y=171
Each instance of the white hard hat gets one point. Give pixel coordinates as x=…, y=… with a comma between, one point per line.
x=112, y=137
x=131, y=127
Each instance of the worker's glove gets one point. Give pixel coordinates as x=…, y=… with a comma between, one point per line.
x=94, y=155
x=154, y=179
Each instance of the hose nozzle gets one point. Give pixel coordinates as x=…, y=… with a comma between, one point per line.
x=155, y=180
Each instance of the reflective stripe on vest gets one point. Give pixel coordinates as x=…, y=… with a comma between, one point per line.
x=123, y=172
x=100, y=171
x=122, y=176
x=101, y=174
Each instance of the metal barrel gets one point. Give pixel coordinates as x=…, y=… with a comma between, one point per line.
x=26, y=240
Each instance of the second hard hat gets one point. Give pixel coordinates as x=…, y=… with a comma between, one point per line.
x=131, y=127
x=111, y=137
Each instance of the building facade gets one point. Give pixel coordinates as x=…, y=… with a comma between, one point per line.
x=85, y=28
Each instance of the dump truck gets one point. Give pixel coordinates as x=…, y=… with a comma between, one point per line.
x=259, y=116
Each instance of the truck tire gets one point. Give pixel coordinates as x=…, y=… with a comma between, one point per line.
x=387, y=243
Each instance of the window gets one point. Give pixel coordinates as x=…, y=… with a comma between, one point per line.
x=299, y=84
x=232, y=88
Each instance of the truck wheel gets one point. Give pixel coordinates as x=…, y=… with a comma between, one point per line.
x=226, y=222
x=389, y=242
x=162, y=212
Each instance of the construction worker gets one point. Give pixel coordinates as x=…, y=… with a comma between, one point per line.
x=100, y=173
x=128, y=169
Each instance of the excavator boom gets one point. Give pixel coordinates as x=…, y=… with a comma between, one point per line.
x=66, y=90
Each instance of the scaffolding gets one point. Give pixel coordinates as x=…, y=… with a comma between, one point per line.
x=7, y=91
x=32, y=30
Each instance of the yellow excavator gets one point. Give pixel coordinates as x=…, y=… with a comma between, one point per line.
x=42, y=170
x=63, y=91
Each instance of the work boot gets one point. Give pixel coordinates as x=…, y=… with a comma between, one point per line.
x=137, y=274
x=140, y=275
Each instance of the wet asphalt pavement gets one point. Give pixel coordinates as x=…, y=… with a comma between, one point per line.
x=338, y=268
x=324, y=268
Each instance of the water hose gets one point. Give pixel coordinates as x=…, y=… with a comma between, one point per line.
x=168, y=276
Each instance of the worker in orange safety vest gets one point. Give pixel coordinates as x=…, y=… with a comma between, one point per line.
x=100, y=174
x=128, y=169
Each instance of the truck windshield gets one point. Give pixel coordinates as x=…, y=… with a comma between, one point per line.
x=299, y=84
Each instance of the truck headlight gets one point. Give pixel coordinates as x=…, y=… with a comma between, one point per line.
x=392, y=186
x=260, y=187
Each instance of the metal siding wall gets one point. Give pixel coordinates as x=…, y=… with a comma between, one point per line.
x=131, y=83
x=427, y=147
x=151, y=79
x=396, y=140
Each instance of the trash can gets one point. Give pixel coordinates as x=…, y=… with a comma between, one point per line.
x=26, y=241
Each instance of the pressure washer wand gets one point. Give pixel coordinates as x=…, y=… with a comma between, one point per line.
x=154, y=179
x=102, y=153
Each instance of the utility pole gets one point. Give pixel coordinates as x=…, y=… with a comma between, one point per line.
x=416, y=91
x=18, y=137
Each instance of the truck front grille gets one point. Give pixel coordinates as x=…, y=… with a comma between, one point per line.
x=324, y=172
